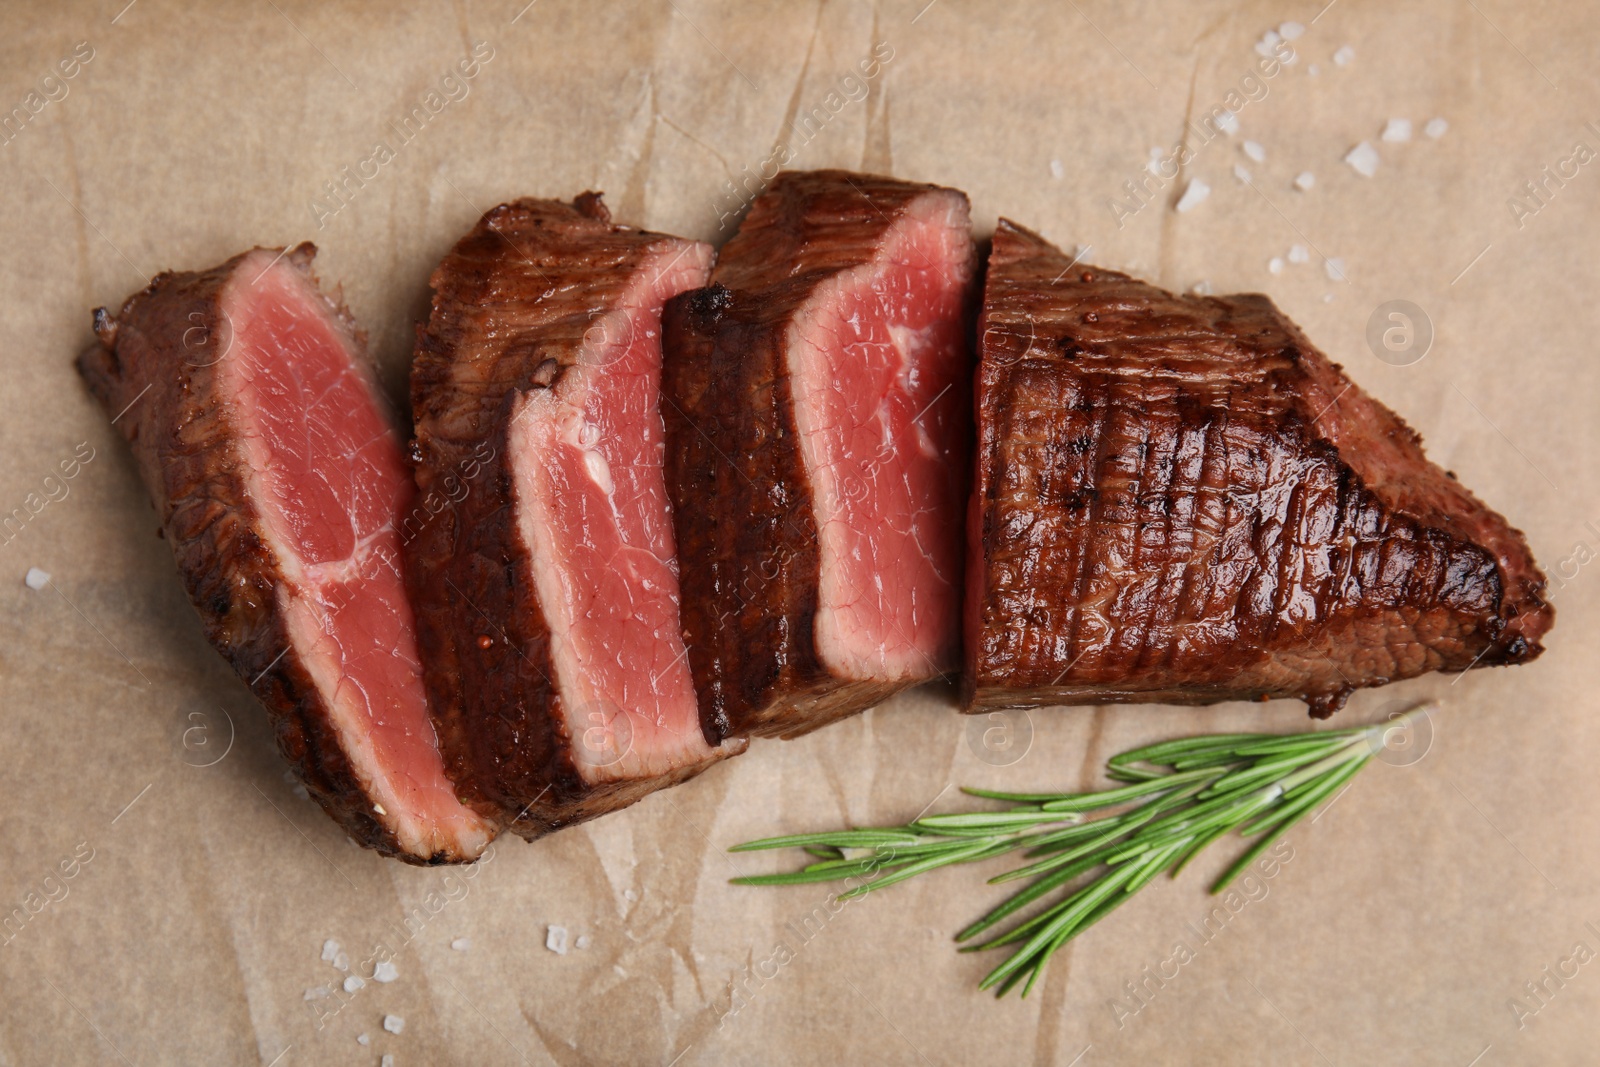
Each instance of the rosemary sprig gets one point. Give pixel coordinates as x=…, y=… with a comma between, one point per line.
x=1177, y=797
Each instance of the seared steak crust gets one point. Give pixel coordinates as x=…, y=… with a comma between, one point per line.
x=512, y=305
x=156, y=373
x=744, y=505
x=748, y=552
x=1179, y=499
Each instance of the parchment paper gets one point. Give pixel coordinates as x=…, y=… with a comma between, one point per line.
x=1412, y=913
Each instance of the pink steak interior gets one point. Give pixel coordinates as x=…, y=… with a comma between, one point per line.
x=878, y=369
x=592, y=506
x=332, y=488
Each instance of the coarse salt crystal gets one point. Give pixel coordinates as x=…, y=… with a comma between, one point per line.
x=1363, y=159
x=1057, y=171
x=1201, y=287
x=317, y=992
x=1240, y=172
x=1228, y=123
x=461, y=944
x=353, y=983
x=330, y=949
x=1344, y=55
x=1289, y=31
x=1275, y=265
x=1268, y=40
x=341, y=960
x=301, y=791
x=629, y=895
x=363, y=1039
x=1298, y=254
x=36, y=579
x=385, y=971
x=387, y=1061
x=1397, y=130
x=393, y=1023
x=1435, y=128
x=1254, y=150
x=583, y=940
x=1194, y=194
x=555, y=939
x=1305, y=180
x=1335, y=268
x=1313, y=70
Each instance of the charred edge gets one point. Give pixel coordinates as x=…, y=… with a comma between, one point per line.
x=591, y=205
x=705, y=306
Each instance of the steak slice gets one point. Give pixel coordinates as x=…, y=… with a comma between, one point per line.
x=547, y=595
x=257, y=427
x=1180, y=500
x=817, y=409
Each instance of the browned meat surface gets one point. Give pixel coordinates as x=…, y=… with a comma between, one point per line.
x=1180, y=500
x=257, y=427
x=545, y=588
x=817, y=409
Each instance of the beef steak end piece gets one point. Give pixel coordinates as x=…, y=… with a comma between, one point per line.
x=817, y=403
x=258, y=429
x=1180, y=500
x=544, y=579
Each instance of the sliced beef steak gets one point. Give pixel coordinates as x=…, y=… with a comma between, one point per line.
x=546, y=587
x=1180, y=500
x=280, y=484
x=817, y=405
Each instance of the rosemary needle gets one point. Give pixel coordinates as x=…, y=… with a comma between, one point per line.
x=1176, y=798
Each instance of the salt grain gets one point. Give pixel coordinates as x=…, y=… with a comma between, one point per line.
x=1201, y=287
x=1057, y=171
x=330, y=949
x=1290, y=31
x=629, y=895
x=1275, y=265
x=1298, y=254
x=317, y=993
x=1435, y=128
x=583, y=940
x=1363, y=159
x=341, y=960
x=353, y=983
x=1241, y=173
x=1305, y=180
x=1397, y=131
x=1268, y=41
x=1313, y=70
x=363, y=1040
x=1344, y=55
x=385, y=971
x=1254, y=150
x=461, y=944
x=36, y=579
x=1228, y=123
x=387, y=1061
x=393, y=1023
x=1335, y=268
x=1194, y=194
x=555, y=939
